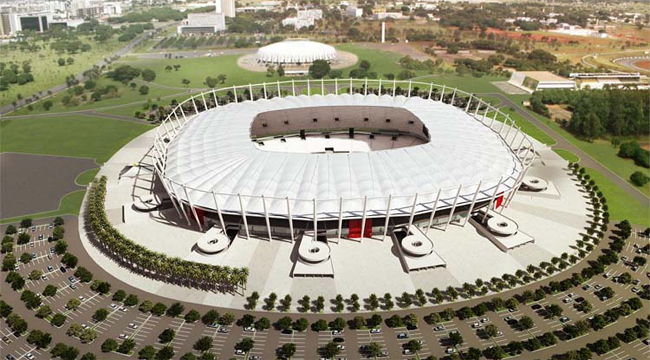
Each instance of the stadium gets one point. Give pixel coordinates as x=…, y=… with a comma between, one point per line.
x=368, y=185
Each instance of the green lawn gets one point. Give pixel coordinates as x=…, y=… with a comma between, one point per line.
x=125, y=96
x=47, y=73
x=567, y=155
x=86, y=177
x=71, y=135
x=621, y=205
x=69, y=205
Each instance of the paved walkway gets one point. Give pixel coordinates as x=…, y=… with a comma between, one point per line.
x=585, y=159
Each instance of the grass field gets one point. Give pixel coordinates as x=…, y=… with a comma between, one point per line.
x=621, y=205
x=567, y=155
x=47, y=73
x=71, y=135
x=69, y=205
x=86, y=177
x=125, y=96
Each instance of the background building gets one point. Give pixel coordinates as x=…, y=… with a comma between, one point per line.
x=204, y=23
x=538, y=80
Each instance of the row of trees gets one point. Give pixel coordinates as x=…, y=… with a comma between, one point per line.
x=150, y=263
x=595, y=113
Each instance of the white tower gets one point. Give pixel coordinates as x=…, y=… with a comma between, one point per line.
x=383, y=32
x=228, y=8
x=217, y=6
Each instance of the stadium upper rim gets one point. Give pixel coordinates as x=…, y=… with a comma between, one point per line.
x=191, y=156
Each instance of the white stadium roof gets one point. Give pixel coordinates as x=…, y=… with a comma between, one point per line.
x=296, y=51
x=214, y=153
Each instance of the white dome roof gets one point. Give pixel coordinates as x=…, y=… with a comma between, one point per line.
x=214, y=153
x=296, y=51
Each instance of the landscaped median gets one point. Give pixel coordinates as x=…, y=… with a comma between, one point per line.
x=149, y=263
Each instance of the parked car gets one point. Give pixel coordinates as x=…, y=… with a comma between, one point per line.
x=403, y=335
x=375, y=331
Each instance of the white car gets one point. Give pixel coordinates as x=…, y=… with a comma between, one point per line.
x=133, y=326
x=484, y=320
x=476, y=325
x=122, y=336
x=113, y=306
x=375, y=331
x=249, y=329
x=341, y=347
x=450, y=350
x=240, y=352
x=29, y=356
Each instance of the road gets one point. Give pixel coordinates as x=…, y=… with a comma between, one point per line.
x=585, y=159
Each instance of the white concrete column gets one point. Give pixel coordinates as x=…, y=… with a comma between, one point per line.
x=442, y=93
x=480, y=102
x=196, y=216
x=205, y=103
x=340, y=216
x=469, y=101
x=493, y=119
x=172, y=197
x=489, y=207
x=394, y=86
x=433, y=212
x=322, y=86
x=196, y=109
x=279, y=90
x=308, y=88
x=365, y=87
x=216, y=101
x=514, y=190
x=264, y=87
x=183, y=113
x=471, y=207
x=216, y=205
x=250, y=92
x=293, y=87
x=187, y=218
x=453, y=207
x=387, y=217
x=505, y=138
x=453, y=97
x=336, y=86
x=350, y=90
x=290, y=219
x=363, y=217
x=266, y=217
x=430, y=90
x=243, y=213
x=415, y=201
x=409, y=92
x=315, y=219
x=379, y=90
x=234, y=91
x=514, y=137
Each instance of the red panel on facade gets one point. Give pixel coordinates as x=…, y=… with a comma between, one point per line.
x=354, y=228
x=199, y=214
x=499, y=201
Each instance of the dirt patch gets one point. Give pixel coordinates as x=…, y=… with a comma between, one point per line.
x=559, y=112
x=249, y=62
x=31, y=184
x=643, y=64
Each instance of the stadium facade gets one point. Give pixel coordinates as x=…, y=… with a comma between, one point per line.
x=338, y=158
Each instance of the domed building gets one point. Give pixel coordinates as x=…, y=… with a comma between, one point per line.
x=296, y=51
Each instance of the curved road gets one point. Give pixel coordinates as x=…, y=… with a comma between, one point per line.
x=585, y=159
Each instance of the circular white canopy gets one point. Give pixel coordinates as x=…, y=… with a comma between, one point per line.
x=296, y=51
x=213, y=161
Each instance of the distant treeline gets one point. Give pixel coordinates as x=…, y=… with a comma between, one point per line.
x=160, y=14
x=617, y=112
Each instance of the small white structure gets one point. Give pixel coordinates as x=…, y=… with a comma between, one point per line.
x=313, y=258
x=416, y=250
x=539, y=80
x=298, y=51
x=213, y=241
x=354, y=12
x=617, y=79
x=502, y=231
x=305, y=18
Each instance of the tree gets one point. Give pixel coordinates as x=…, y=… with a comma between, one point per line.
x=288, y=350
x=455, y=338
x=210, y=317
x=526, y=323
x=39, y=338
x=58, y=320
x=319, y=325
x=286, y=303
x=222, y=78
x=61, y=61
x=319, y=69
x=490, y=330
x=158, y=309
x=246, y=344
x=280, y=70
x=167, y=336
x=147, y=352
x=330, y=350
x=61, y=247
x=143, y=90
x=192, y=316
x=211, y=82
x=88, y=335
x=284, y=323
x=100, y=314
x=50, y=290
x=47, y=105
x=44, y=311
x=186, y=82
x=203, y=344
x=109, y=345
x=301, y=325
x=85, y=276
x=553, y=310
x=175, y=309
x=364, y=64
x=148, y=75
x=638, y=178
x=262, y=324
x=69, y=260
x=165, y=353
